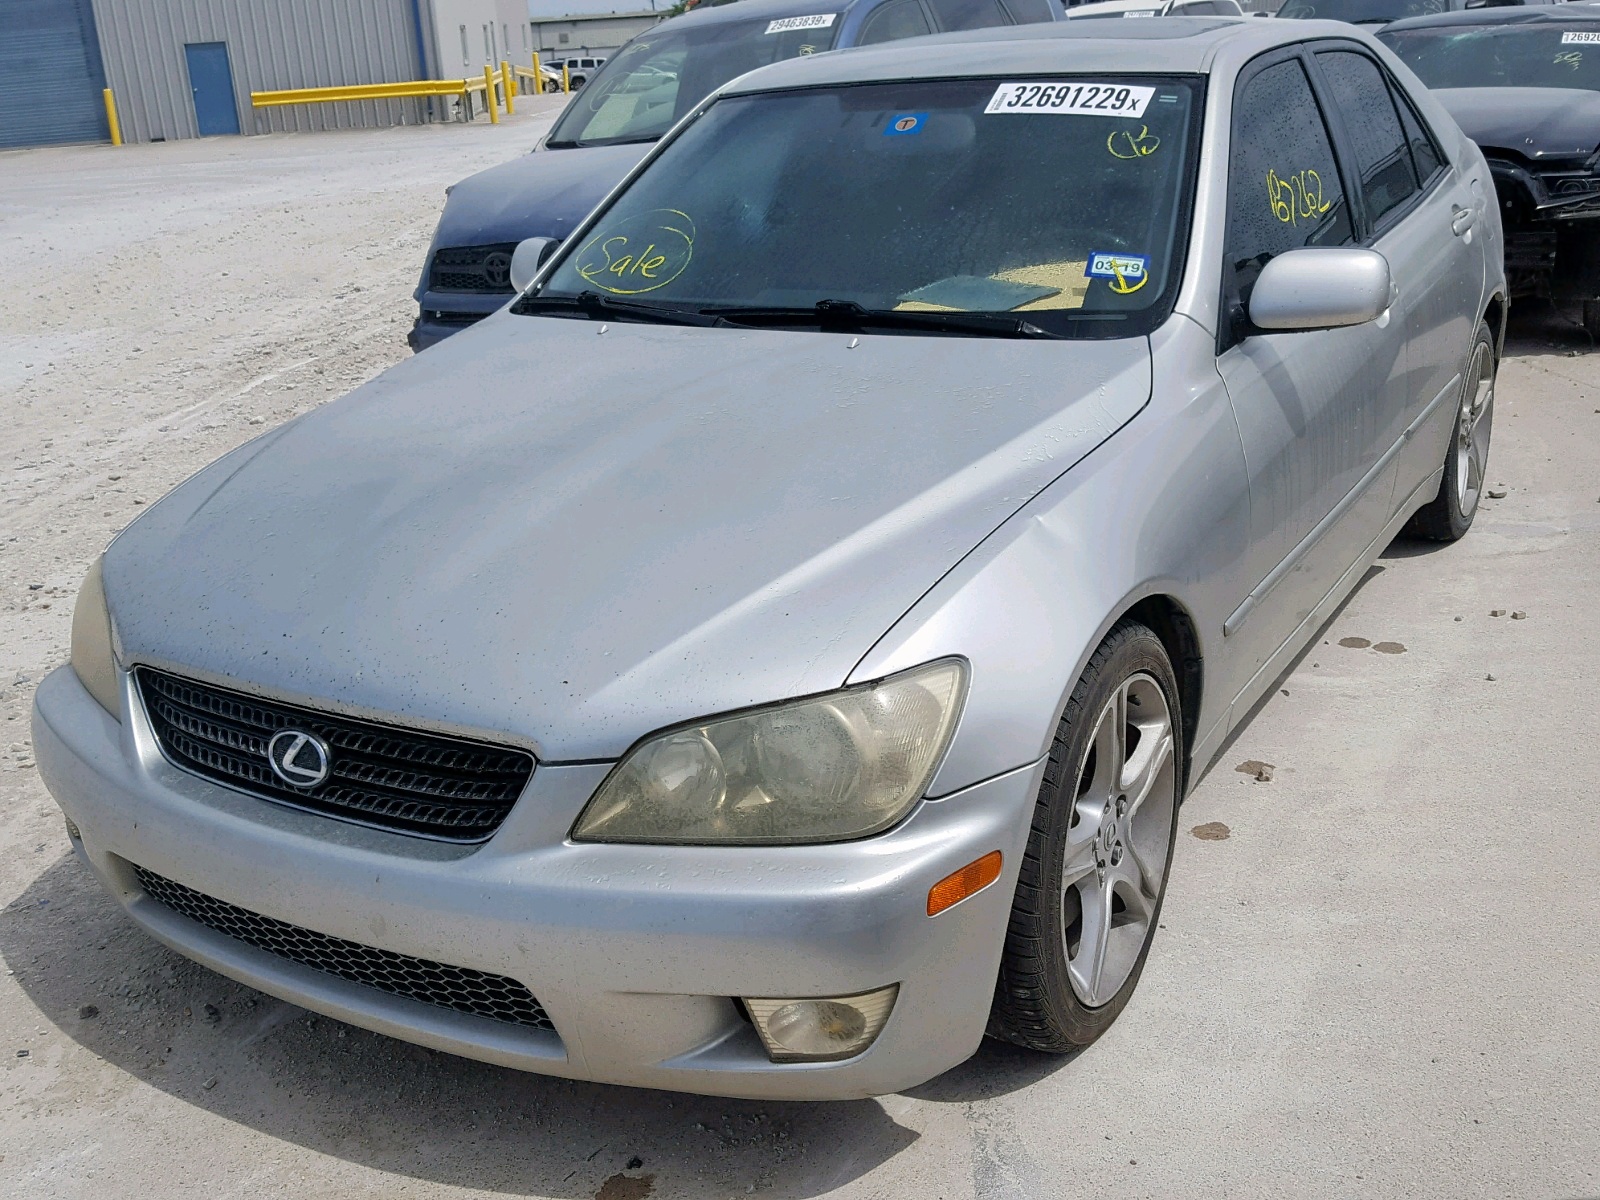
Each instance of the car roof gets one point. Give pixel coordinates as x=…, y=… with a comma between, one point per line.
x=1154, y=46
x=753, y=10
x=1554, y=14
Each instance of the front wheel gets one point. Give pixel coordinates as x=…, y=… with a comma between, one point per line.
x=1095, y=870
x=1448, y=516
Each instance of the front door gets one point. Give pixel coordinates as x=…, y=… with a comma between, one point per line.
x=1310, y=405
x=211, y=83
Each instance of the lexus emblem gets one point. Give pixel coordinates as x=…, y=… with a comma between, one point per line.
x=497, y=269
x=299, y=759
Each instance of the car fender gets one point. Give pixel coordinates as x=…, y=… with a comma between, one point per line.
x=1160, y=509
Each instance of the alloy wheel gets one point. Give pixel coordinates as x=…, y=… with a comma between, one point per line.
x=1473, y=426
x=1118, y=836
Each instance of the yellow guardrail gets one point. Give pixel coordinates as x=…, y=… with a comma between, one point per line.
x=497, y=86
x=363, y=91
x=523, y=75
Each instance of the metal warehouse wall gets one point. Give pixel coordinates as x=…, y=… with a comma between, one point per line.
x=272, y=44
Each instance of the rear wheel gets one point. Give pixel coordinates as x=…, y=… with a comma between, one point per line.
x=1449, y=515
x=1591, y=318
x=1096, y=867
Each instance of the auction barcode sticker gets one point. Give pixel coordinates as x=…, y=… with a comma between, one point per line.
x=1581, y=39
x=820, y=21
x=1075, y=99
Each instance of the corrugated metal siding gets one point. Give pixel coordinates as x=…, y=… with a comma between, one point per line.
x=272, y=44
x=49, y=73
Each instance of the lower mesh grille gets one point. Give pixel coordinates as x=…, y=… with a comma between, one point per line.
x=459, y=988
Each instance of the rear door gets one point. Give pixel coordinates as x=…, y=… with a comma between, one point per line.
x=1420, y=215
x=1310, y=405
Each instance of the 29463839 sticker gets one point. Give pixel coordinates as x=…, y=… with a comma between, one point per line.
x=784, y=24
x=1124, y=272
x=1580, y=39
x=1071, y=99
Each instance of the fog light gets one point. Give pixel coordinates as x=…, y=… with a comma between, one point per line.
x=821, y=1029
x=72, y=830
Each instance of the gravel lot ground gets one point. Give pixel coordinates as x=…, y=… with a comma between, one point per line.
x=1384, y=981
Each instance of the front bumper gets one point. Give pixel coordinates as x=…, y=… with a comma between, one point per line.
x=635, y=952
x=440, y=314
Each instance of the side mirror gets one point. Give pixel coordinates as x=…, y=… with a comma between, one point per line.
x=1321, y=289
x=527, y=258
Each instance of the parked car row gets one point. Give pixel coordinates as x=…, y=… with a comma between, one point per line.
x=642, y=90
x=1516, y=100
x=771, y=651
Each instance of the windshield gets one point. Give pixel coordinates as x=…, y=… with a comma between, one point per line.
x=662, y=74
x=1362, y=12
x=1455, y=56
x=1059, y=201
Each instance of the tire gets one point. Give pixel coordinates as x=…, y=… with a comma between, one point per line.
x=1099, y=835
x=1448, y=516
x=1591, y=318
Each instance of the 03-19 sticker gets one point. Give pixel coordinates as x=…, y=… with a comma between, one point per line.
x=1071, y=99
x=785, y=24
x=1124, y=273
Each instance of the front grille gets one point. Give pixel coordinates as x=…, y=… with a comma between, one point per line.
x=460, y=988
x=391, y=778
x=473, y=269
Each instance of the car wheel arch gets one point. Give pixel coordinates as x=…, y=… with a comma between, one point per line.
x=1495, y=314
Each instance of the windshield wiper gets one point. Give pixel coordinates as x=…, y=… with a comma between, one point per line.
x=595, y=306
x=590, y=143
x=847, y=315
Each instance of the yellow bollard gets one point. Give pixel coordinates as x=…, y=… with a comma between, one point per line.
x=510, y=86
x=566, y=78
x=111, y=117
x=538, y=76
x=488, y=94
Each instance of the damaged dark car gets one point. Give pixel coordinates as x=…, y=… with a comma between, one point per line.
x=1525, y=85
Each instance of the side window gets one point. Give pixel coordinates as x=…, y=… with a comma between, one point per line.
x=902, y=19
x=1382, y=159
x=1283, y=182
x=1424, y=153
x=1028, y=12
x=967, y=14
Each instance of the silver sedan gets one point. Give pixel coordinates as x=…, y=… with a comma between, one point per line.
x=770, y=653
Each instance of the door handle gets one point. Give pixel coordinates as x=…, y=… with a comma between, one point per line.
x=1461, y=220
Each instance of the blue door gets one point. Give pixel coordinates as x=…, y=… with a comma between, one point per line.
x=211, y=81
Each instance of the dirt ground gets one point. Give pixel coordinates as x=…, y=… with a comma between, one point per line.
x=1378, y=975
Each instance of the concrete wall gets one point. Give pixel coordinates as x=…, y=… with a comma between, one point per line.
x=271, y=45
x=467, y=35
x=566, y=36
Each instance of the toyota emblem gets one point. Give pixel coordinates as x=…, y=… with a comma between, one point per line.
x=299, y=759
x=497, y=269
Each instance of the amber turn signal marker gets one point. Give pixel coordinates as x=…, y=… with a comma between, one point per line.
x=972, y=878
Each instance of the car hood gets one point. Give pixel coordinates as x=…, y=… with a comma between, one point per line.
x=542, y=194
x=574, y=535
x=1537, y=123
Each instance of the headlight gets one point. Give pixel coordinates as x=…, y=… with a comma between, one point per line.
x=834, y=767
x=91, y=644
